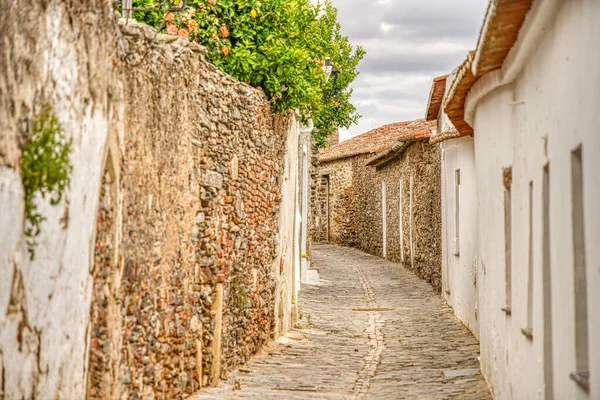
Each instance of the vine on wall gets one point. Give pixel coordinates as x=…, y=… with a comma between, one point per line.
x=45, y=170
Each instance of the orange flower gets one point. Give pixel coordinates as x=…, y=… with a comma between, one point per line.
x=183, y=33
x=172, y=29
x=193, y=25
x=225, y=50
x=169, y=17
x=192, y=11
x=213, y=2
x=224, y=31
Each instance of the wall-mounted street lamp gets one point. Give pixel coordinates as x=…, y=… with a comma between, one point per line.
x=330, y=70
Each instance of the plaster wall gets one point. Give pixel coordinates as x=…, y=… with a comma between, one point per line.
x=287, y=265
x=44, y=302
x=541, y=118
x=459, y=269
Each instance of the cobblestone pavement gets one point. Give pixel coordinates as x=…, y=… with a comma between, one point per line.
x=371, y=330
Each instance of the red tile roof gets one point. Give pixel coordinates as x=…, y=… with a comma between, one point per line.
x=400, y=145
x=498, y=34
x=454, y=104
x=501, y=26
x=375, y=140
x=436, y=95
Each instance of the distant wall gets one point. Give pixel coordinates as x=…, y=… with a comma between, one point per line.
x=336, y=202
x=352, y=208
x=417, y=244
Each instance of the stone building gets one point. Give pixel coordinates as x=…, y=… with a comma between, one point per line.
x=380, y=192
x=520, y=194
x=172, y=256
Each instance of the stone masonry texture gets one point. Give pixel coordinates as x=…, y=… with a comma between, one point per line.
x=370, y=330
x=421, y=163
x=201, y=192
x=349, y=207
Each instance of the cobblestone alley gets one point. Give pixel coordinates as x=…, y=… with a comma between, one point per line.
x=371, y=330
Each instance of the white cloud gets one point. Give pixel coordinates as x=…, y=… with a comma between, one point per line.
x=408, y=43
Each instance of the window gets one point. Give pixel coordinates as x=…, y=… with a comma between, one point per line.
x=507, y=181
x=546, y=284
x=528, y=330
x=456, y=212
x=581, y=374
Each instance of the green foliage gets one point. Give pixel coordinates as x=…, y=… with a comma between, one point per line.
x=45, y=170
x=278, y=46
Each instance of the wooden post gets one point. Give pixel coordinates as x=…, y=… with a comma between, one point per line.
x=216, y=345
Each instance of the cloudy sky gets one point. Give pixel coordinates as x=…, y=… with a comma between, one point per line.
x=408, y=43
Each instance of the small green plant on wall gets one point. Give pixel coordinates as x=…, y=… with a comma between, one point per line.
x=45, y=170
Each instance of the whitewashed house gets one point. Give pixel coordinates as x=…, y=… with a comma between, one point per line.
x=459, y=211
x=521, y=219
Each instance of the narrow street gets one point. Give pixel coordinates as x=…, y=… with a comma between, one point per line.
x=371, y=330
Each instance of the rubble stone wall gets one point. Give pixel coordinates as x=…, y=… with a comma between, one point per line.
x=419, y=163
x=335, y=202
x=202, y=172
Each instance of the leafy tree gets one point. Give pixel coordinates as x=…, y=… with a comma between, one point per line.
x=278, y=46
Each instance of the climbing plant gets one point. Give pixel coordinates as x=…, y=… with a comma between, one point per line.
x=278, y=46
x=45, y=170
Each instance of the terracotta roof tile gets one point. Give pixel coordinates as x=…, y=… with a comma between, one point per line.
x=445, y=135
x=503, y=21
x=436, y=95
x=454, y=104
x=375, y=140
x=400, y=145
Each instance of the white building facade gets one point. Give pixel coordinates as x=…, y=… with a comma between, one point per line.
x=529, y=98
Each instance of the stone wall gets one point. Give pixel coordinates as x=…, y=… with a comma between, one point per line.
x=419, y=163
x=353, y=207
x=160, y=269
x=202, y=186
x=336, y=202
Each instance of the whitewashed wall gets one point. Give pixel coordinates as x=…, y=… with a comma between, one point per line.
x=550, y=108
x=289, y=238
x=459, y=271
